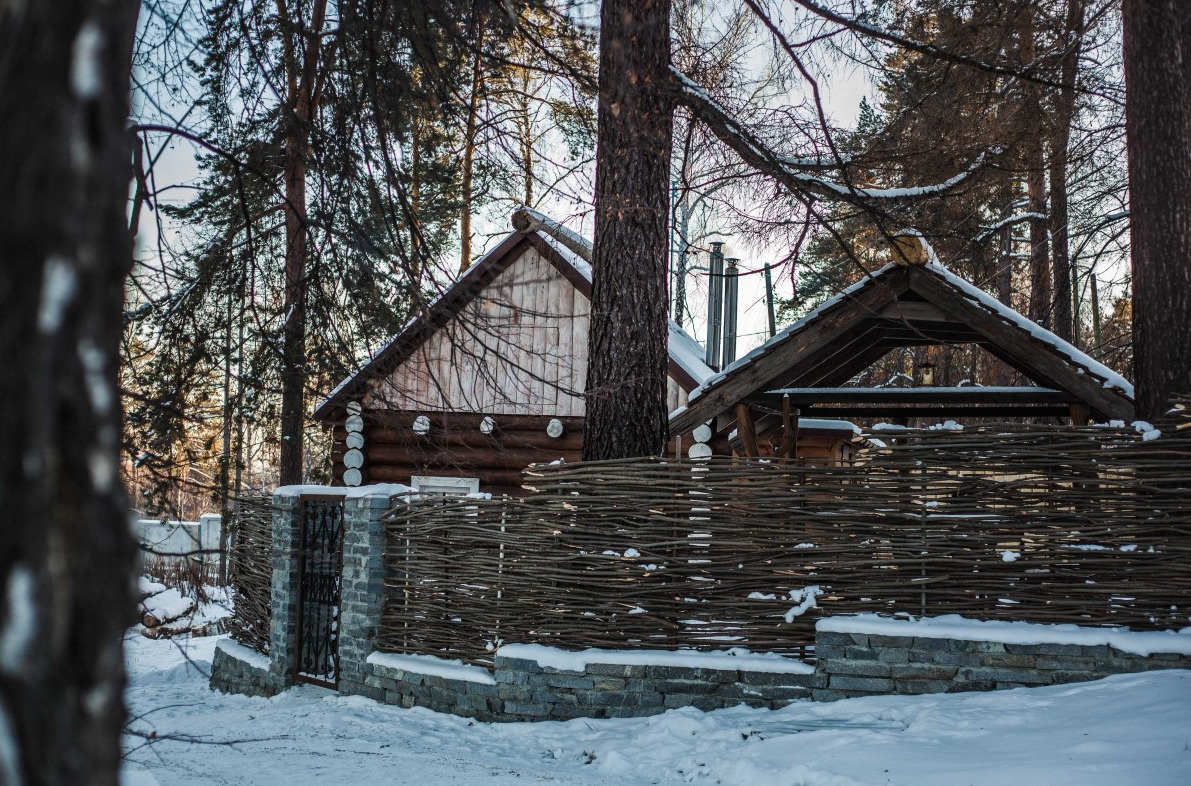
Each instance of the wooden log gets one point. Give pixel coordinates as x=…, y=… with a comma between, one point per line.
x=505, y=440
x=464, y=457
x=380, y=421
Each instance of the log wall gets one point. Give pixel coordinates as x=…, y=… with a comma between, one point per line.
x=455, y=447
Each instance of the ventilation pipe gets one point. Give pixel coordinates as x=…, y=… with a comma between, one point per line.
x=731, y=296
x=715, y=304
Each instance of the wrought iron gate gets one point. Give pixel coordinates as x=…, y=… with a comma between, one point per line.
x=320, y=568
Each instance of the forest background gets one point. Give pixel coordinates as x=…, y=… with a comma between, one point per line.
x=312, y=173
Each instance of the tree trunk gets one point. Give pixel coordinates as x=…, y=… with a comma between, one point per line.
x=627, y=356
x=301, y=77
x=1062, y=116
x=66, y=553
x=469, y=153
x=1157, y=38
x=1040, y=304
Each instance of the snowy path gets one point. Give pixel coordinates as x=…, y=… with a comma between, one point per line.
x=1130, y=729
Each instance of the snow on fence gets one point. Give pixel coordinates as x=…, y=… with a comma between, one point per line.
x=1039, y=523
x=251, y=570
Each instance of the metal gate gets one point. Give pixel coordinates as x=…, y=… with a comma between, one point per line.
x=320, y=567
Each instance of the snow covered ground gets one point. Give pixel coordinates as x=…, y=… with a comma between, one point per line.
x=1129, y=729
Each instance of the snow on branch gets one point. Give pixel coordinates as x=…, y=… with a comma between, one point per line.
x=1009, y=221
x=786, y=170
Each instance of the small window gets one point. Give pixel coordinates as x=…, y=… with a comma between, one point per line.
x=454, y=487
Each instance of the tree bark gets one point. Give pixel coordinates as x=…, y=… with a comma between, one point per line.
x=469, y=152
x=1060, y=138
x=627, y=356
x=300, y=74
x=66, y=553
x=1041, y=293
x=1157, y=39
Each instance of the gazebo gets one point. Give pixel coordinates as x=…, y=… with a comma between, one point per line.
x=804, y=368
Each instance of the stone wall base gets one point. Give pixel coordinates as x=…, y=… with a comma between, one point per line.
x=236, y=669
x=865, y=664
x=523, y=690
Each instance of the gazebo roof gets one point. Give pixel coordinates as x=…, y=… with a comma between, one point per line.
x=906, y=306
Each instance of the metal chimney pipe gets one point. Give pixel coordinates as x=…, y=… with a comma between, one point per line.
x=731, y=298
x=715, y=304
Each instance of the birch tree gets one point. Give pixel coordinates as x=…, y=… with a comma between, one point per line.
x=66, y=552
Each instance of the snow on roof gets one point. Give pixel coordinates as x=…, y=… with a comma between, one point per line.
x=974, y=294
x=828, y=424
x=1111, y=378
x=782, y=335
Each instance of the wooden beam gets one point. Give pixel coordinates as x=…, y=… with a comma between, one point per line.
x=907, y=310
x=747, y=431
x=903, y=411
x=922, y=395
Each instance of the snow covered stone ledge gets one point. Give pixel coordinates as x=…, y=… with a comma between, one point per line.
x=237, y=669
x=532, y=682
x=867, y=654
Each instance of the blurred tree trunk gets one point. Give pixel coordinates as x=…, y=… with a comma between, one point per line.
x=627, y=358
x=1157, y=38
x=66, y=553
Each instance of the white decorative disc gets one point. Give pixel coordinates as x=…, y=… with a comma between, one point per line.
x=353, y=408
x=421, y=425
x=487, y=425
x=555, y=428
x=352, y=477
x=353, y=459
x=354, y=423
x=702, y=433
x=699, y=450
x=355, y=440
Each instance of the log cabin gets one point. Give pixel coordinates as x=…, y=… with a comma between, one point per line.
x=487, y=380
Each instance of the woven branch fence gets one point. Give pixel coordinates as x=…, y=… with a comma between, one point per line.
x=1039, y=523
x=251, y=570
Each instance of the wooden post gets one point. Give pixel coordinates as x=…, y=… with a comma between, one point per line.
x=789, y=447
x=748, y=432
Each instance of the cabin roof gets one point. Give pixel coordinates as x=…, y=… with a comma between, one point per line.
x=686, y=365
x=899, y=306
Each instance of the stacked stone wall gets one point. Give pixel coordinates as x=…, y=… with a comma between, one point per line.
x=523, y=690
x=864, y=664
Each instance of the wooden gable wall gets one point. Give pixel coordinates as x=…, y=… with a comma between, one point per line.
x=519, y=348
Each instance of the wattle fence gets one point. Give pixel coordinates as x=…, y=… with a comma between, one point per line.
x=250, y=566
x=1039, y=523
